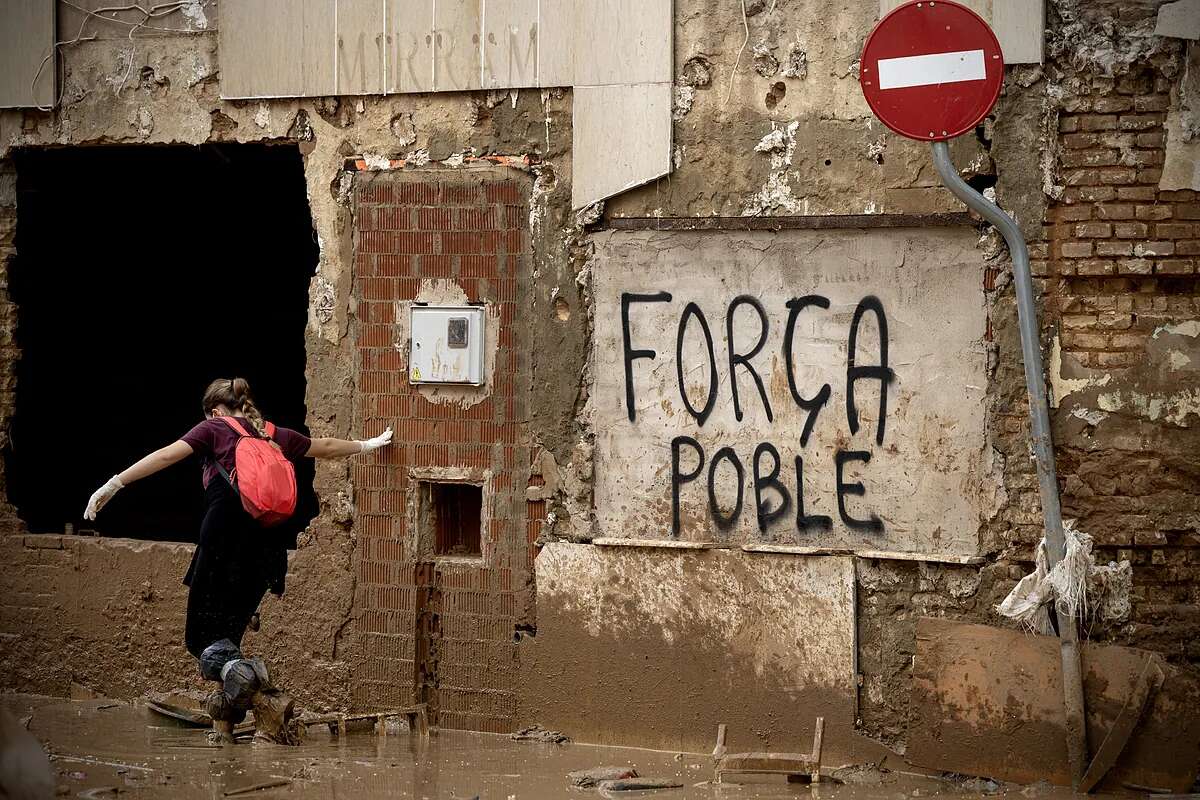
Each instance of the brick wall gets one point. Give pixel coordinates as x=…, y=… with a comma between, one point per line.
x=1120, y=259
x=441, y=631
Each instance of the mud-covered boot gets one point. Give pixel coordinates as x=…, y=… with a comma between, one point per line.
x=224, y=717
x=273, y=717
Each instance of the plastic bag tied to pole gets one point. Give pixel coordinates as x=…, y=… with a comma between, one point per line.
x=1080, y=588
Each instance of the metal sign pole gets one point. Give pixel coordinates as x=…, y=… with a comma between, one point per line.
x=1043, y=446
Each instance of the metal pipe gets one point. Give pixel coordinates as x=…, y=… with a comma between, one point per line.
x=1043, y=446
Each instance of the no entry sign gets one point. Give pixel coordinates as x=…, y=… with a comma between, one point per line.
x=931, y=70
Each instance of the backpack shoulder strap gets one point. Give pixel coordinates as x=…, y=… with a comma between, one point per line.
x=237, y=426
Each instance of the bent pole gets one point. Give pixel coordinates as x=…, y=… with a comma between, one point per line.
x=1043, y=446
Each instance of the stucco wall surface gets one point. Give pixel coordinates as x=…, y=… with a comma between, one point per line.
x=764, y=644
x=798, y=297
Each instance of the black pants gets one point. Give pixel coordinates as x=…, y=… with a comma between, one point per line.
x=235, y=563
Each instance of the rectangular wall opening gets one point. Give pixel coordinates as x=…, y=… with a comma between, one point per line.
x=142, y=274
x=453, y=512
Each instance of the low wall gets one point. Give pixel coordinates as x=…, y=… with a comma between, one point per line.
x=106, y=614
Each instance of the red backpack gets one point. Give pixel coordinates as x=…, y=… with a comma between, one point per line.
x=262, y=475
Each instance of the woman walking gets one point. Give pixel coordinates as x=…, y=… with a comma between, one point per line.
x=237, y=559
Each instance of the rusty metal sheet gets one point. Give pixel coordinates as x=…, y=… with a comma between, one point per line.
x=989, y=702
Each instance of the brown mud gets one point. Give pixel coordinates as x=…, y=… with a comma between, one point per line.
x=96, y=744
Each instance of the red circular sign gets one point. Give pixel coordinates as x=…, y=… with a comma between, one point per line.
x=931, y=70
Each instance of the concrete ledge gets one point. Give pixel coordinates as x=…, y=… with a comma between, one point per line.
x=789, y=549
x=885, y=555
x=796, y=222
x=663, y=544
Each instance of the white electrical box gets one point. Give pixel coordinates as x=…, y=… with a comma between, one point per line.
x=447, y=345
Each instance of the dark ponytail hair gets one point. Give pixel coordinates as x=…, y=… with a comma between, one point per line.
x=234, y=394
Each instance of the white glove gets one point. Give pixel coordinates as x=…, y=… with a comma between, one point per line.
x=102, y=496
x=382, y=440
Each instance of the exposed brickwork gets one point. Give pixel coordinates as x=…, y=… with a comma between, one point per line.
x=1121, y=259
x=1125, y=253
x=471, y=228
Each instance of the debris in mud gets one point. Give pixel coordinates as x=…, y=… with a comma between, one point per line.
x=638, y=784
x=536, y=733
x=859, y=775
x=587, y=778
x=976, y=785
x=1077, y=585
x=1003, y=687
x=254, y=787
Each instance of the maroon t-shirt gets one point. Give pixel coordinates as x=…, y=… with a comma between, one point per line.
x=215, y=438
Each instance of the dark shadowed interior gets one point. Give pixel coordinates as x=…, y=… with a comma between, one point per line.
x=142, y=274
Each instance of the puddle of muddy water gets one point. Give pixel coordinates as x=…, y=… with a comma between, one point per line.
x=141, y=755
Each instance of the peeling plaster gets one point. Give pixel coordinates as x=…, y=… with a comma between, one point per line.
x=1173, y=408
x=776, y=193
x=1189, y=328
x=262, y=117
x=194, y=11
x=1062, y=386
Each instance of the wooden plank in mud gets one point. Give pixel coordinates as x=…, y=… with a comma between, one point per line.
x=988, y=702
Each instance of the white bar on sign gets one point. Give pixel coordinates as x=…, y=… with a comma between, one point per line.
x=900, y=73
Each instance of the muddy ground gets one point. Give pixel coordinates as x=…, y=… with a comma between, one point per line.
x=106, y=750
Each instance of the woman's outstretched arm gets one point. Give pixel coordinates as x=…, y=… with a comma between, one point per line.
x=340, y=448
x=159, y=460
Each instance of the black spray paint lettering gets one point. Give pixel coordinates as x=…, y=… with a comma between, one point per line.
x=678, y=479
x=767, y=514
x=723, y=521
x=768, y=483
x=874, y=524
x=813, y=404
x=689, y=311
x=628, y=299
x=744, y=359
x=880, y=372
x=805, y=522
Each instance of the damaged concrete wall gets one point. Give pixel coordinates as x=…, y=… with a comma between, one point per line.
x=102, y=614
x=1118, y=254
x=774, y=91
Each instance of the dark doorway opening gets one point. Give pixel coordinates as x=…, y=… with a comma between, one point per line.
x=143, y=273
